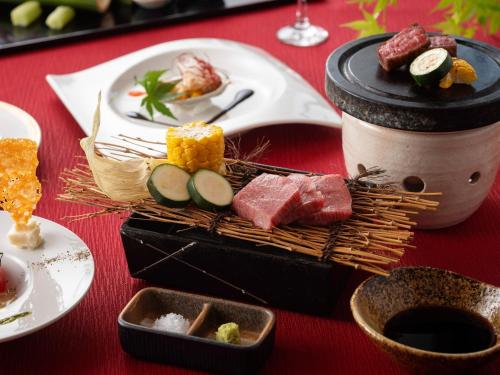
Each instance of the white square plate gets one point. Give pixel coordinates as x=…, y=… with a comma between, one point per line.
x=281, y=95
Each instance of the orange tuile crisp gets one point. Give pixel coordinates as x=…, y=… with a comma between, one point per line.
x=20, y=189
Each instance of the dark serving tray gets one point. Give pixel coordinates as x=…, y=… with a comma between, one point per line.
x=119, y=18
x=357, y=84
x=226, y=267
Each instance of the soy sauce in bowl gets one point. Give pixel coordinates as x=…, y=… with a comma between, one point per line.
x=441, y=329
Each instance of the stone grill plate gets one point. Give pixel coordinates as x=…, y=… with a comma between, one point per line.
x=358, y=85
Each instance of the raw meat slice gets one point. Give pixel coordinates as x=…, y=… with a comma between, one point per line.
x=311, y=199
x=337, y=204
x=266, y=200
x=444, y=41
x=403, y=47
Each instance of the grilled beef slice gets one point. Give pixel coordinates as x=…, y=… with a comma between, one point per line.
x=403, y=47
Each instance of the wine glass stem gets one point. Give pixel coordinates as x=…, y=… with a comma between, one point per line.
x=302, y=21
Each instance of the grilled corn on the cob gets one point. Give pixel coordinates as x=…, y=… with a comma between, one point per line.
x=196, y=145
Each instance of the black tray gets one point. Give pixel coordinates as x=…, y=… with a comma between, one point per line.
x=357, y=84
x=266, y=274
x=119, y=18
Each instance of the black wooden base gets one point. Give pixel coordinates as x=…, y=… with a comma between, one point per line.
x=230, y=268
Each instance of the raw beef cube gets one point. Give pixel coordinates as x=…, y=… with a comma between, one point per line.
x=266, y=200
x=338, y=201
x=311, y=199
x=403, y=47
x=444, y=41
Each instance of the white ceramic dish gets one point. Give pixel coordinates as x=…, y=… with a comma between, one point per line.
x=50, y=281
x=281, y=95
x=16, y=123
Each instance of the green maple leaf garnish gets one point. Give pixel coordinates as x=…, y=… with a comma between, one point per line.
x=157, y=92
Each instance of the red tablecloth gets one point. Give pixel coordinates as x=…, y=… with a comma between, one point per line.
x=86, y=340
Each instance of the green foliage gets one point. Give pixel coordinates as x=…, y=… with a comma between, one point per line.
x=157, y=92
x=464, y=17
x=373, y=21
x=461, y=17
x=367, y=26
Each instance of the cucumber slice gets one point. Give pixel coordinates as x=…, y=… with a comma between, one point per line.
x=210, y=190
x=168, y=185
x=429, y=67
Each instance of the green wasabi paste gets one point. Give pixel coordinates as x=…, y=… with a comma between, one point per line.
x=228, y=333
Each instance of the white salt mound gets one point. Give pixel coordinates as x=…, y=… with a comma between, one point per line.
x=172, y=323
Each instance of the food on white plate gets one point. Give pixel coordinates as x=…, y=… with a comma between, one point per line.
x=25, y=236
x=429, y=67
x=168, y=185
x=7, y=294
x=14, y=317
x=197, y=78
x=20, y=189
x=26, y=13
x=461, y=72
x=210, y=191
x=196, y=145
x=444, y=41
x=338, y=201
x=60, y=17
x=403, y=47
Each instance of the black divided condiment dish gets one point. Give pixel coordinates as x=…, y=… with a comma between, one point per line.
x=198, y=348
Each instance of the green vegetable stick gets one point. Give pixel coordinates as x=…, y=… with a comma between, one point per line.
x=24, y=14
x=60, y=17
x=100, y=6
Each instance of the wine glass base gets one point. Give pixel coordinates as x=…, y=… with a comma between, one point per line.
x=310, y=36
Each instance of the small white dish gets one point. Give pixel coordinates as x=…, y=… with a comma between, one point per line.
x=49, y=281
x=281, y=95
x=16, y=123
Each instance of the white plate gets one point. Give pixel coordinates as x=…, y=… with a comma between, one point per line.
x=16, y=123
x=281, y=95
x=50, y=281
